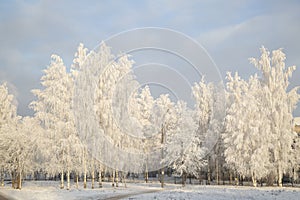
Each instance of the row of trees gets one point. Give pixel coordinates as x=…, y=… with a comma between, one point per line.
x=259, y=138
x=95, y=118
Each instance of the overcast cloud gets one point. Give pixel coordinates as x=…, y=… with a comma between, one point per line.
x=231, y=31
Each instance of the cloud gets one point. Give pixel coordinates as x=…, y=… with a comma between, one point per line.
x=274, y=30
x=231, y=31
x=231, y=46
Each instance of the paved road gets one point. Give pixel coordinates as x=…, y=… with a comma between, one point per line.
x=2, y=197
x=123, y=196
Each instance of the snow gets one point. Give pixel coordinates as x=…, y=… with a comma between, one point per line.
x=220, y=192
x=50, y=190
x=40, y=190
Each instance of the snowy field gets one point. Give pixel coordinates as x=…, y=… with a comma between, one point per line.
x=223, y=192
x=40, y=190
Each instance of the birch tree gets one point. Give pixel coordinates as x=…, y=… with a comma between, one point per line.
x=18, y=141
x=142, y=110
x=246, y=151
x=258, y=137
x=209, y=108
x=8, y=124
x=281, y=102
x=53, y=110
x=184, y=152
x=165, y=120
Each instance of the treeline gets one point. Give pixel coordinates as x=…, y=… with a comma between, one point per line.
x=93, y=121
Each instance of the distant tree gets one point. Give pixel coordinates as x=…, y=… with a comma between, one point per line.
x=209, y=115
x=184, y=152
x=296, y=152
x=141, y=110
x=165, y=120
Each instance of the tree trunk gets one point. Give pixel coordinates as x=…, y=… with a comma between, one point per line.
x=200, y=180
x=85, y=169
x=100, y=178
x=279, y=176
x=13, y=180
x=104, y=173
x=183, y=178
x=62, y=180
x=293, y=177
x=68, y=179
x=242, y=180
x=208, y=175
x=254, y=181
x=35, y=175
x=124, y=180
x=236, y=179
x=217, y=172
x=223, y=177
x=84, y=177
x=270, y=179
x=2, y=179
x=163, y=139
x=77, y=175
x=113, y=178
x=146, y=174
x=230, y=177
x=117, y=178
x=19, y=186
x=162, y=177
x=93, y=179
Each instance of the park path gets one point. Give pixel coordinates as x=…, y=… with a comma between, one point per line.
x=123, y=196
x=2, y=197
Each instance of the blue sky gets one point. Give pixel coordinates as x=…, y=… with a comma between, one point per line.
x=231, y=32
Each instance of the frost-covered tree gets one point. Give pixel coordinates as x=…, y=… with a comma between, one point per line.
x=142, y=105
x=24, y=151
x=258, y=137
x=184, y=152
x=53, y=109
x=8, y=113
x=165, y=120
x=18, y=141
x=8, y=124
x=124, y=125
x=102, y=88
x=280, y=102
x=246, y=151
x=83, y=78
x=141, y=109
x=296, y=152
x=209, y=108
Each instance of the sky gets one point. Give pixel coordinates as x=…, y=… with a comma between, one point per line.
x=230, y=31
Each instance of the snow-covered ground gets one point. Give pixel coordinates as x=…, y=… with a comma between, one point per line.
x=223, y=192
x=48, y=190
x=39, y=190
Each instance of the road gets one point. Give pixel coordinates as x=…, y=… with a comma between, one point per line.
x=2, y=197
